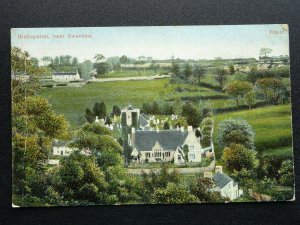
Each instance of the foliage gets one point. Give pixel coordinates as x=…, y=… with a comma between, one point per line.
x=237, y=157
x=166, y=126
x=286, y=173
x=250, y=98
x=236, y=131
x=200, y=187
x=221, y=76
x=172, y=194
x=238, y=89
x=116, y=110
x=268, y=85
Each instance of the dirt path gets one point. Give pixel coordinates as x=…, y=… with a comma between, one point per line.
x=180, y=170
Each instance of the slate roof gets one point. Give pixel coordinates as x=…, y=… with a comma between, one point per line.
x=143, y=120
x=168, y=139
x=145, y=116
x=221, y=179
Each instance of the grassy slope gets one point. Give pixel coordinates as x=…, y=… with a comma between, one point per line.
x=72, y=101
x=272, y=126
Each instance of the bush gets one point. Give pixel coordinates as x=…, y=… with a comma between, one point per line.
x=236, y=131
x=237, y=157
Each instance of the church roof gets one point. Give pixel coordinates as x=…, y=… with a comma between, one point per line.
x=221, y=179
x=168, y=139
x=143, y=120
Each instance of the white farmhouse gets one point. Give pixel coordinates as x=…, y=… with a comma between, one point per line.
x=164, y=145
x=65, y=76
x=226, y=186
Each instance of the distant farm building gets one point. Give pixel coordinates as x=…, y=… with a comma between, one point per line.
x=65, y=76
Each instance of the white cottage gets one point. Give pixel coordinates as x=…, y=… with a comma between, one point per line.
x=226, y=186
x=164, y=145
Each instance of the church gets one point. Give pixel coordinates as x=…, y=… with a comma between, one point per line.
x=174, y=145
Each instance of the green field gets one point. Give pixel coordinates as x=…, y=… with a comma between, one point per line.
x=72, y=101
x=135, y=73
x=272, y=126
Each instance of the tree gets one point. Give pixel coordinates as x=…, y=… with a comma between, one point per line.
x=263, y=52
x=270, y=84
x=102, y=68
x=231, y=69
x=89, y=115
x=236, y=131
x=86, y=68
x=187, y=71
x=116, y=110
x=250, y=98
x=74, y=61
x=177, y=106
x=199, y=72
x=221, y=76
x=99, y=58
x=286, y=173
x=237, y=157
x=175, y=69
x=201, y=186
x=124, y=60
x=172, y=194
x=238, y=89
x=166, y=126
x=47, y=60
x=192, y=115
x=154, y=65
x=140, y=61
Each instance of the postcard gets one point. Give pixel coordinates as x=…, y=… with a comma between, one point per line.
x=151, y=115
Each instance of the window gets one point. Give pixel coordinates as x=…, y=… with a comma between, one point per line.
x=191, y=148
x=167, y=154
x=148, y=155
x=179, y=157
x=191, y=156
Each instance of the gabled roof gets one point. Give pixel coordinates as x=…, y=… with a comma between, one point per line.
x=143, y=121
x=168, y=139
x=221, y=179
x=146, y=117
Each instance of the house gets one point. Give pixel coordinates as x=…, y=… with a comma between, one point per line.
x=65, y=76
x=61, y=148
x=164, y=145
x=226, y=186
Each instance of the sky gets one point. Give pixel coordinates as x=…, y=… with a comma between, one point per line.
x=159, y=42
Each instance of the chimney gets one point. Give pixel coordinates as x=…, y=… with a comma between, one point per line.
x=190, y=129
x=132, y=136
x=219, y=169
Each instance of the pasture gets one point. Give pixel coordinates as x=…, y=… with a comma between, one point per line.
x=272, y=127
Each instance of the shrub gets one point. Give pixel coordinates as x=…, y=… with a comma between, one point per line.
x=237, y=157
x=48, y=85
x=236, y=131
